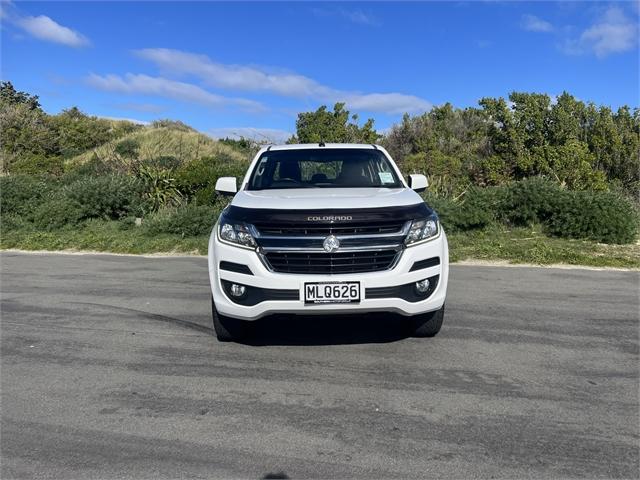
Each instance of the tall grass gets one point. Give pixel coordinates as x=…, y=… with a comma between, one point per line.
x=156, y=142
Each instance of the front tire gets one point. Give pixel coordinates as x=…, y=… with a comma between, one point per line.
x=227, y=328
x=427, y=324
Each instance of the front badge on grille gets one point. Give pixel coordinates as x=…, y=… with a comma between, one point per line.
x=331, y=244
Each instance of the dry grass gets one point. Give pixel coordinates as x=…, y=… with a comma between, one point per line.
x=158, y=142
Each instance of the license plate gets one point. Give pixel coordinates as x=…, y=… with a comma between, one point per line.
x=332, y=292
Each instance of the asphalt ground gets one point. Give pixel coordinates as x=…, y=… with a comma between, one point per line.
x=110, y=370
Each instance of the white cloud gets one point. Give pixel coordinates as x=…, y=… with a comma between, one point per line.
x=236, y=77
x=354, y=16
x=612, y=33
x=532, y=23
x=162, y=87
x=257, y=79
x=262, y=135
x=45, y=28
x=392, y=103
x=358, y=16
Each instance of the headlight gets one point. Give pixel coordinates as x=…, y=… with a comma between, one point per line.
x=422, y=230
x=236, y=232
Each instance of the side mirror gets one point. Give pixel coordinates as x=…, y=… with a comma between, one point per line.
x=226, y=186
x=418, y=182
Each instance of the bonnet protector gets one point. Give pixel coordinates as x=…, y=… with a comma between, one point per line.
x=342, y=216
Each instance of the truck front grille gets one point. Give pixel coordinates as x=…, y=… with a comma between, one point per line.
x=324, y=229
x=328, y=263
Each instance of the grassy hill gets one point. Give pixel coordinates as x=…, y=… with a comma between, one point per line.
x=154, y=142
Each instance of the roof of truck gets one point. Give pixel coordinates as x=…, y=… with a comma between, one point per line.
x=301, y=146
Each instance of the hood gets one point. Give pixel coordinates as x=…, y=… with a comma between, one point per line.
x=325, y=198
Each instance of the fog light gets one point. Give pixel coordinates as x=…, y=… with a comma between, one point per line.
x=422, y=286
x=238, y=290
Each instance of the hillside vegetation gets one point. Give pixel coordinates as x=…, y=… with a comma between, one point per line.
x=528, y=181
x=158, y=141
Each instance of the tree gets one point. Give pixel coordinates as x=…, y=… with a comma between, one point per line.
x=76, y=132
x=325, y=126
x=580, y=145
x=627, y=167
x=571, y=164
x=10, y=96
x=531, y=115
x=447, y=144
x=566, y=120
x=24, y=128
x=506, y=139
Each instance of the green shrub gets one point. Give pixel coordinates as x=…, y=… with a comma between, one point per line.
x=491, y=170
x=37, y=164
x=11, y=221
x=20, y=194
x=529, y=201
x=601, y=216
x=127, y=223
x=160, y=187
x=487, y=203
x=108, y=197
x=470, y=216
x=572, y=164
x=197, y=179
x=188, y=221
x=94, y=167
x=165, y=162
x=476, y=211
x=444, y=172
x=57, y=212
x=246, y=146
x=128, y=148
x=75, y=132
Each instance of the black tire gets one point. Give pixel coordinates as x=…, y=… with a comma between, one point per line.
x=227, y=329
x=427, y=324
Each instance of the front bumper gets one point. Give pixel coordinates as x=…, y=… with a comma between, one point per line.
x=378, y=282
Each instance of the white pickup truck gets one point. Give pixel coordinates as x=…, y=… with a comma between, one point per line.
x=326, y=229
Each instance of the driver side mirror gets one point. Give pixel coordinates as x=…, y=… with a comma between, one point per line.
x=226, y=186
x=418, y=182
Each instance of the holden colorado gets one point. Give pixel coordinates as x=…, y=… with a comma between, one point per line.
x=326, y=229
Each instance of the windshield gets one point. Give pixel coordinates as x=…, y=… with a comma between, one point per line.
x=323, y=168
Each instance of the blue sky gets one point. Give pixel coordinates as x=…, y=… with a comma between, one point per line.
x=249, y=68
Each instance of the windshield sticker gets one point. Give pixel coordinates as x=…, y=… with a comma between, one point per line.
x=386, y=177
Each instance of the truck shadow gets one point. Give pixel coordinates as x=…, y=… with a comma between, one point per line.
x=327, y=330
